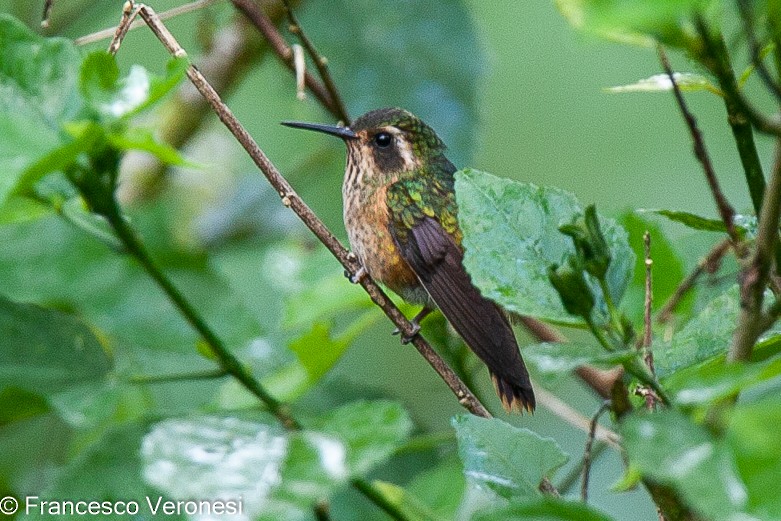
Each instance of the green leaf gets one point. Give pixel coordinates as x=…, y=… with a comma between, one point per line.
x=38, y=83
x=19, y=404
x=113, y=97
x=322, y=300
x=553, y=360
x=278, y=474
x=640, y=22
x=668, y=448
x=109, y=469
x=753, y=436
x=319, y=349
x=86, y=136
x=46, y=351
x=706, y=335
x=687, y=82
x=506, y=459
x=372, y=431
x=692, y=221
x=50, y=260
x=544, y=509
x=211, y=457
x=511, y=237
x=19, y=208
x=711, y=382
x=441, y=488
x=143, y=139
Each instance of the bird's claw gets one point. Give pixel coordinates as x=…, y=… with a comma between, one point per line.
x=406, y=339
x=356, y=277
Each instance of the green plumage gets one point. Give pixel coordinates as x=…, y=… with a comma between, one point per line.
x=400, y=213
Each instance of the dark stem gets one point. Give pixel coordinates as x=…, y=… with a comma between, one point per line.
x=648, y=355
x=709, y=264
x=320, y=62
x=726, y=212
x=755, y=276
x=716, y=59
x=747, y=16
x=176, y=377
x=380, y=500
x=592, y=431
x=283, y=51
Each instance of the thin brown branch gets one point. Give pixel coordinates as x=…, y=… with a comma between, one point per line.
x=708, y=264
x=648, y=355
x=47, y=13
x=755, y=276
x=292, y=200
x=714, y=54
x=164, y=15
x=747, y=16
x=283, y=51
x=599, y=380
x=587, y=453
x=649, y=297
x=233, y=51
x=320, y=62
x=726, y=211
x=574, y=418
x=129, y=13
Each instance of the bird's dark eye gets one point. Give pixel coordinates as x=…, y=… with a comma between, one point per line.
x=383, y=139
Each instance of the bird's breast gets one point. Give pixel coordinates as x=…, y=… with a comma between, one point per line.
x=366, y=219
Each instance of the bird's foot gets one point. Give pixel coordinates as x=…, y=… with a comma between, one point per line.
x=406, y=339
x=356, y=277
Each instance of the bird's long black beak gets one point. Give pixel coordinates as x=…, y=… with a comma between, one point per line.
x=342, y=132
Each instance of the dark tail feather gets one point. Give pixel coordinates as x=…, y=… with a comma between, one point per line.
x=513, y=396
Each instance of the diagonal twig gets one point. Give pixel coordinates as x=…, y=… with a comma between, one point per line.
x=280, y=47
x=748, y=27
x=726, y=211
x=709, y=264
x=320, y=62
x=587, y=452
x=754, y=278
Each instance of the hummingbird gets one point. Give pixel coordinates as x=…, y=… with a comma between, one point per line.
x=401, y=218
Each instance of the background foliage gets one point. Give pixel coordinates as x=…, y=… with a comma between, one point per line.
x=105, y=391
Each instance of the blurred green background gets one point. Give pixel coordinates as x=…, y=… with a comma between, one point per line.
x=513, y=90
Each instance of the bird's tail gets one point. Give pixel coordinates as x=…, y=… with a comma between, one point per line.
x=514, y=397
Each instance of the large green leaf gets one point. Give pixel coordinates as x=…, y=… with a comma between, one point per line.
x=110, y=469
x=670, y=449
x=279, y=474
x=511, y=237
x=710, y=382
x=509, y=460
x=47, y=351
x=707, y=335
x=38, y=79
x=553, y=360
x=211, y=457
x=753, y=436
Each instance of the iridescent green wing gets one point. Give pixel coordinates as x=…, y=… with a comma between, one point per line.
x=423, y=224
